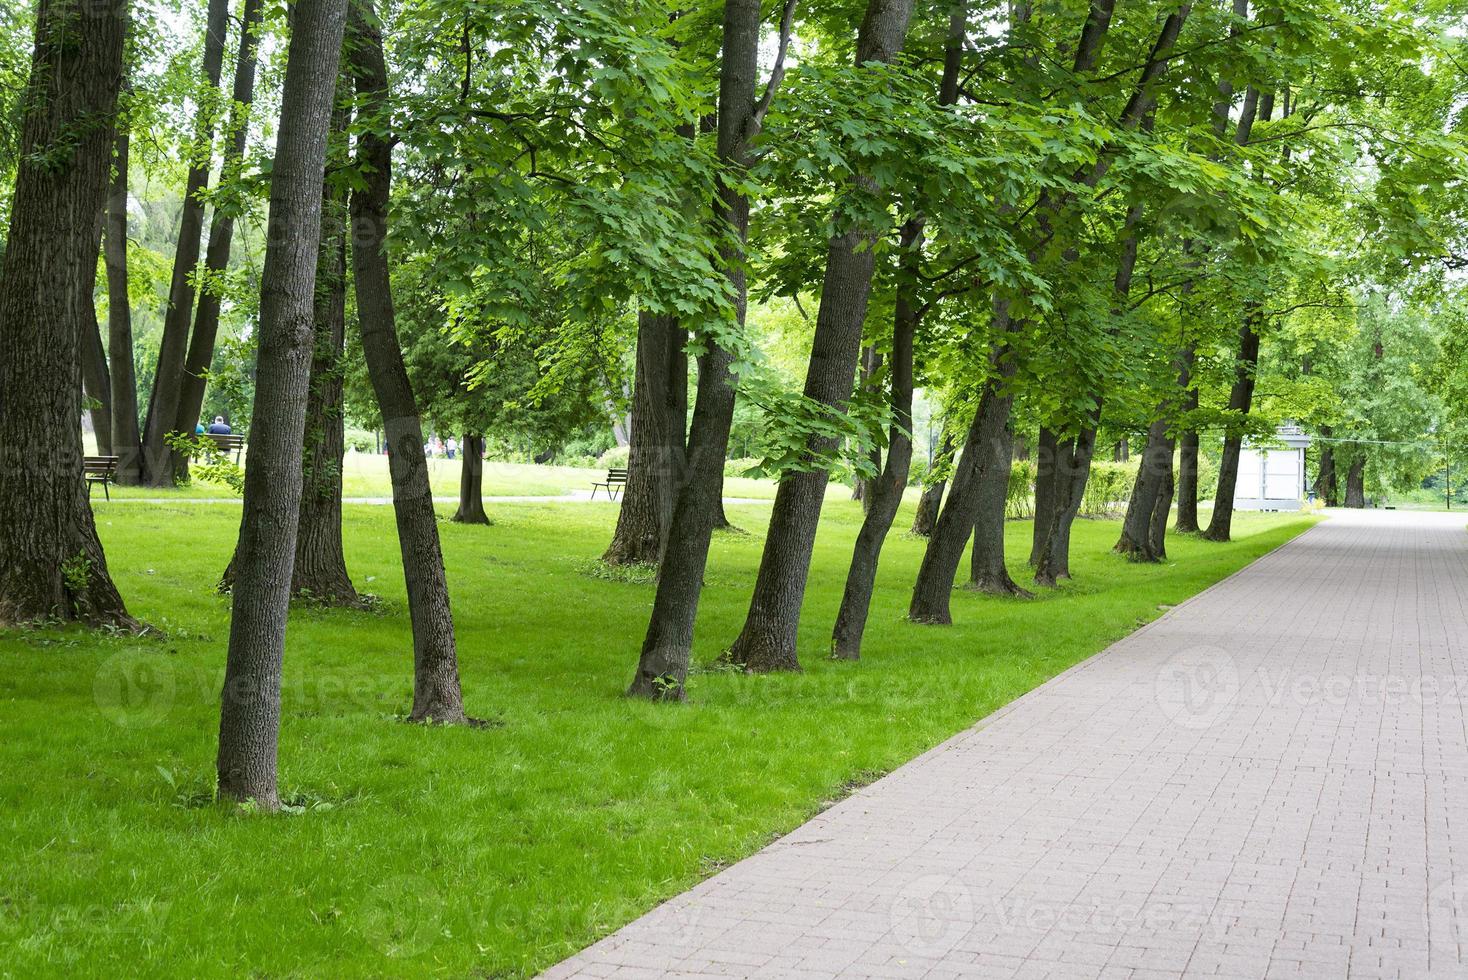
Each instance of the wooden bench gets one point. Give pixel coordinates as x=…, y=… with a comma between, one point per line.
x=228, y=443
x=99, y=469
x=615, y=482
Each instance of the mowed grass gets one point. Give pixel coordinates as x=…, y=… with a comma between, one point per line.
x=364, y=475
x=479, y=852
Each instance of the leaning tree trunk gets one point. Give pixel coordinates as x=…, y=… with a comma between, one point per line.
x=126, y=439
x=221, y=234
x=436, y=693
x=1325, y=479
x=931, y=499
x=1047, y=453
x=52, y=565
x=471, y=482
x=767, y=641
x=321, y=566
x=1153, y=483
x=95, y=379
x=656, y=453
x=249, y=721
x=883, y=495
x=1356, y=482
x=662, y=667
x=172, y=347
x=1240, y=399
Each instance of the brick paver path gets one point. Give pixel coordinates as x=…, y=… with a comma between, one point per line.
x=1269, y=781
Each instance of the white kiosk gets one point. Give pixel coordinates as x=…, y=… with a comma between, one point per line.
x=1273, y=477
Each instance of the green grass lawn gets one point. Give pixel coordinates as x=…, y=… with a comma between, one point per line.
x=365, y=475
x=493, y=851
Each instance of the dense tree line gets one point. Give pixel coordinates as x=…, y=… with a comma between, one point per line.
x=1149, y=229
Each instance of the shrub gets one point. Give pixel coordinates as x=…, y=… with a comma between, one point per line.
x=614, y=458
x=1108, y=488
x=1019, y=496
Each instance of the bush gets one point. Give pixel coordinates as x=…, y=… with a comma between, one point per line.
x=1019, y=497
x=614, y=458
x=1108, y=488
x=918, y=471
x=740, y=466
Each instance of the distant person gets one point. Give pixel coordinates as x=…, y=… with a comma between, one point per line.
x=452, y=446
x=219, y=427
x=199, y=428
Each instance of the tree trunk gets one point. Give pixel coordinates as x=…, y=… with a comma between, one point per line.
x=767, y=641
x=1325, y=478
x=1161, y=511
x=221, y=233
x=436, y=694
x=662, y=667
x=1240, y=399
x=471, y=482
x=1187, y=457
x=95, y=380
x=163, y=403
x=52, y=565
x=868, y=365
x=883, y=495
x=321, y=567
x=1153, y=482
x=1071, y=477
x=249, y=722
x=1356, y=482
x=656, y=456
x=126, y=439
x=1046, y=456
x=931, y=498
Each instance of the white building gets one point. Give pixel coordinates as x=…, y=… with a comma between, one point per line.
x=1272, y=477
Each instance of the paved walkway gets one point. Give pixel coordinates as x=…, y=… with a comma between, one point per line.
x=1269, y=781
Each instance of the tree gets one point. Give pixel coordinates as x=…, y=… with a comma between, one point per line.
x=249, y=722
x=126, y=439
x=52, y=565
x=436, y=693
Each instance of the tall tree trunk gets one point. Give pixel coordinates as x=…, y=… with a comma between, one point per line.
x=656, y=456
x=931, y=498
x=1161, y=510
x=868, y=364
x=436, y=693
x=883, y=495
x=1356, y=482
x=221, y=233
x=52, y=565
x=471, y=482
x=1240, y=399
x=95, y=380
x=767, y=641
x=1153, y=482
x=321, y=567
x=1325, y=478
x=1046, y=456
x=1187, y=455
x=163, y=403
x=126, y=439
x=662, y=667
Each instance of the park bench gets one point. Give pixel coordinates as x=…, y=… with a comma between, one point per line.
x=228, y=443
x=100, y=469
x=615, y=482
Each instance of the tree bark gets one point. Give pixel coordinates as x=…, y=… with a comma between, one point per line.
x=436, y=693
x=662, y=667
x=1046, y=456
x=657, y=454
x=1153, y=482
x=471, y=482
x=249, y=722
x=95, y=380
x=883, y=495
x=1356, y=482
x=320, y=573
x=931, y=498
x=52, y=565
x=1187, y=457
x=1325, y=479
x=767, y=641
x=221, y=233
x=126, y=439
x=163, y=403
x=1240, y=399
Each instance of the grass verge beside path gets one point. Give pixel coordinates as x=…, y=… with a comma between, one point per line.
x=455, y=852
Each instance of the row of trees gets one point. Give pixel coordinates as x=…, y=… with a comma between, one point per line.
x=1072, y=224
